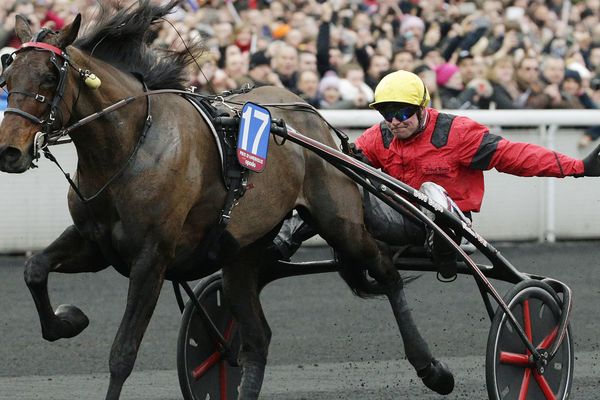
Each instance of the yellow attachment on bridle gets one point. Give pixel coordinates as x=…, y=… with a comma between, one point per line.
x=92, y=81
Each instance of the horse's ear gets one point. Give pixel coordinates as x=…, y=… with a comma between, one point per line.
x=69, y=33
x=22, y=28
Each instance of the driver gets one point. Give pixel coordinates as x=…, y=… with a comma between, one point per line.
x=444, y=156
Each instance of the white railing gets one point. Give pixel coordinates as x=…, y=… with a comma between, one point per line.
x=33, y=207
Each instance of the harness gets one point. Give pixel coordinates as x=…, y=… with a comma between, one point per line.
x=223, y=126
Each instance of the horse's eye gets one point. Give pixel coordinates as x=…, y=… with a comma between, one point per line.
x=48, y=80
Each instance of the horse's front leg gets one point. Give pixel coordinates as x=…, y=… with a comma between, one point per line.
x=69, y=253
x=145, y=282
x=241, y=287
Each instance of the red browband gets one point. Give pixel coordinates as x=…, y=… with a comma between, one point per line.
x=45, y=46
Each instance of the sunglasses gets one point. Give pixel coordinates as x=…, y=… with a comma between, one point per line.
x=400, y=113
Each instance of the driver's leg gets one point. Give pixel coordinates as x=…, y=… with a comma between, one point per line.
x=443, y=254
x=293, y=232
x=382, y=221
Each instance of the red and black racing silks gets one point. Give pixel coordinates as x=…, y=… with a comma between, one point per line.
x=453, y=151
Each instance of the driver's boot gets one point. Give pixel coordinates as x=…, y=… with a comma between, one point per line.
x=293, y=232
x=444, y=256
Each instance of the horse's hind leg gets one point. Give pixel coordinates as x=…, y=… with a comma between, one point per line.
x=242, y=289
x=357, y=249
x=435, y=374
x=69, y=253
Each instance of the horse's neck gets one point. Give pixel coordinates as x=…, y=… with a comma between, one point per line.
x=110, y=139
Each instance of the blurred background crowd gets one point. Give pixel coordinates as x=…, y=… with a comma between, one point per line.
x=492, y=54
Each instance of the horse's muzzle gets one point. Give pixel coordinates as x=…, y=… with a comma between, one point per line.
x=13, y=160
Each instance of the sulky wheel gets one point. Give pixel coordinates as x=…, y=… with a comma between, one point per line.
x=204, y=371
x=509, y=376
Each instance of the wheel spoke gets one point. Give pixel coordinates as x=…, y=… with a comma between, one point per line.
x=514, y=359
x=525, y=384
x=527, y=320
x=543, y=384
x=229, y=329
x=544, y=344
x=206, y=365
x=223, y=380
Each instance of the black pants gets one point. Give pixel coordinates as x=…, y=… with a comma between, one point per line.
x=382, y=221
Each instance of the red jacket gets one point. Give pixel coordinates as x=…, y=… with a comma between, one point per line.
x=453, y=151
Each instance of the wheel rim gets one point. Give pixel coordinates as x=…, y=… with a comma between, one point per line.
x=514, y=377
x=209, y=374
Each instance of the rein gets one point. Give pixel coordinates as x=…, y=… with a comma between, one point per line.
x=147, y=125
x=48, y=136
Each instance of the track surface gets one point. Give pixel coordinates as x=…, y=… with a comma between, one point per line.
x=326, y=343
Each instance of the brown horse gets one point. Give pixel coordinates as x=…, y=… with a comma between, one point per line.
x=151, y=171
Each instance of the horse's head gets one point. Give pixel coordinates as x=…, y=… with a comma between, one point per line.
x=35, y=76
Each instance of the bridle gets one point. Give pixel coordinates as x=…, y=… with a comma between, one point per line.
x=48, y=133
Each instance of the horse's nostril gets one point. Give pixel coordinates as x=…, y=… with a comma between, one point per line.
x=9, y=154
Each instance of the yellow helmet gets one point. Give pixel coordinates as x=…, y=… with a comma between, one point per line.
x=401, y=87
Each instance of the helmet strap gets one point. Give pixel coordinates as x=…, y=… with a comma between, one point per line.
x=422, y=118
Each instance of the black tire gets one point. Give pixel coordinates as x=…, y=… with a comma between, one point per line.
x=203, y=372
x=505, y=378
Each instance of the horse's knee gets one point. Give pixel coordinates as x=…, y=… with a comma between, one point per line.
x=255, y=345
x=121, y=367
x=36, y=270
x=382, y=269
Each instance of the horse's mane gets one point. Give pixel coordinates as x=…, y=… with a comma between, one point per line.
x=120, y=36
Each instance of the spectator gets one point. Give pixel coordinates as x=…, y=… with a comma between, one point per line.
x=236, y=67
x=553, y=73
x=433, y=58
x=504, y=86
x=308, y=84
x=285, y=65
x=329, y=93
x=243, y=38
x=378, y=65
x=403, y=60
x=353, y=87
x=223, y=35
x=260, y=72
x=531, y=88
x=307, y=61
x=412, y=31
x=593, y=59
x=572, y=87
x=466, y=66
x=428, y=77
x=455, y=95
x=377, y=35
x=220, y=82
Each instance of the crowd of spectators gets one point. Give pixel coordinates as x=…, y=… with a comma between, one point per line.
x=492, y=54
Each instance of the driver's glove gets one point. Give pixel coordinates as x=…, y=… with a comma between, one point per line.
x=358, y=154
x=591, y=164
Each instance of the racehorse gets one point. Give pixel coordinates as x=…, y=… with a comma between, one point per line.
x=148, y=187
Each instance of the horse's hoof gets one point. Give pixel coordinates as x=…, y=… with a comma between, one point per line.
x=72, y=320
x=437, y=377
